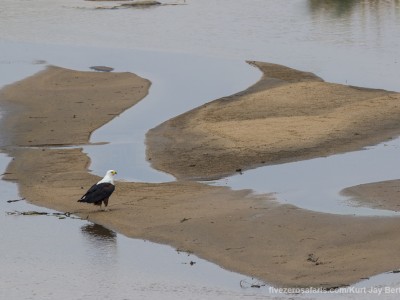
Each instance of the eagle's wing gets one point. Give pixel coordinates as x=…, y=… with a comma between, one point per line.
x=98, y=192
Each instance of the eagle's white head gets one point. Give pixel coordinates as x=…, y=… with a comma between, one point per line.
x=109, y=177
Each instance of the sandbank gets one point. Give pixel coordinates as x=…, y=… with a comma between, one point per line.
x=253, y=235
x=287, y=115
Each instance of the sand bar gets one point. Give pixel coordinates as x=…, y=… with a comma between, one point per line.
x=288, y=115
x=280, y=244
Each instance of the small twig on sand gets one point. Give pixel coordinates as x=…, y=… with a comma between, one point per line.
x=15, y=200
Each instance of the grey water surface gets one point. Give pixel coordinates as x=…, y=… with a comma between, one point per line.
x=192, y=53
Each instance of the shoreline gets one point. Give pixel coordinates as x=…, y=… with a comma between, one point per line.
x=288, y=115
x=280, y=244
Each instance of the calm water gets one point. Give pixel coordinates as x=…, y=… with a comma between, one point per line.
x=201, y=44
x=74, y=256
x=315, y=184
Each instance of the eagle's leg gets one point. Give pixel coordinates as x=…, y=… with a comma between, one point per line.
x=105, y=204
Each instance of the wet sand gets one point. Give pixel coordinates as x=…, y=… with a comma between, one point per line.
x=380, y=195
x=254, y=235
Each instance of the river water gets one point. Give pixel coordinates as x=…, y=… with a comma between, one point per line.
x=195, y=45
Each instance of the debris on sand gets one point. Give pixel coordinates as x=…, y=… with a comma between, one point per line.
x=102, y=68
x=59, y=215
x=141, y=4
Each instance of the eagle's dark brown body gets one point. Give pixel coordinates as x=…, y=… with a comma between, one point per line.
x=98, y=194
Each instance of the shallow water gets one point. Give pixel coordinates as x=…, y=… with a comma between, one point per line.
x=354, y=44
x=44, y=257
x=358, y=45
x=137, y=268
x=315, y=184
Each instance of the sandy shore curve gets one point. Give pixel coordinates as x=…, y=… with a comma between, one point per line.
x=281, y=244
x=287, y=115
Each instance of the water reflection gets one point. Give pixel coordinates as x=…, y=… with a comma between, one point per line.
x=99, y=233
x=370, y=24
x=340, y=8
x=334, y=7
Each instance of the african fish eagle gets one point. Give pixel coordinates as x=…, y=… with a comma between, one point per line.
x=101, y=191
